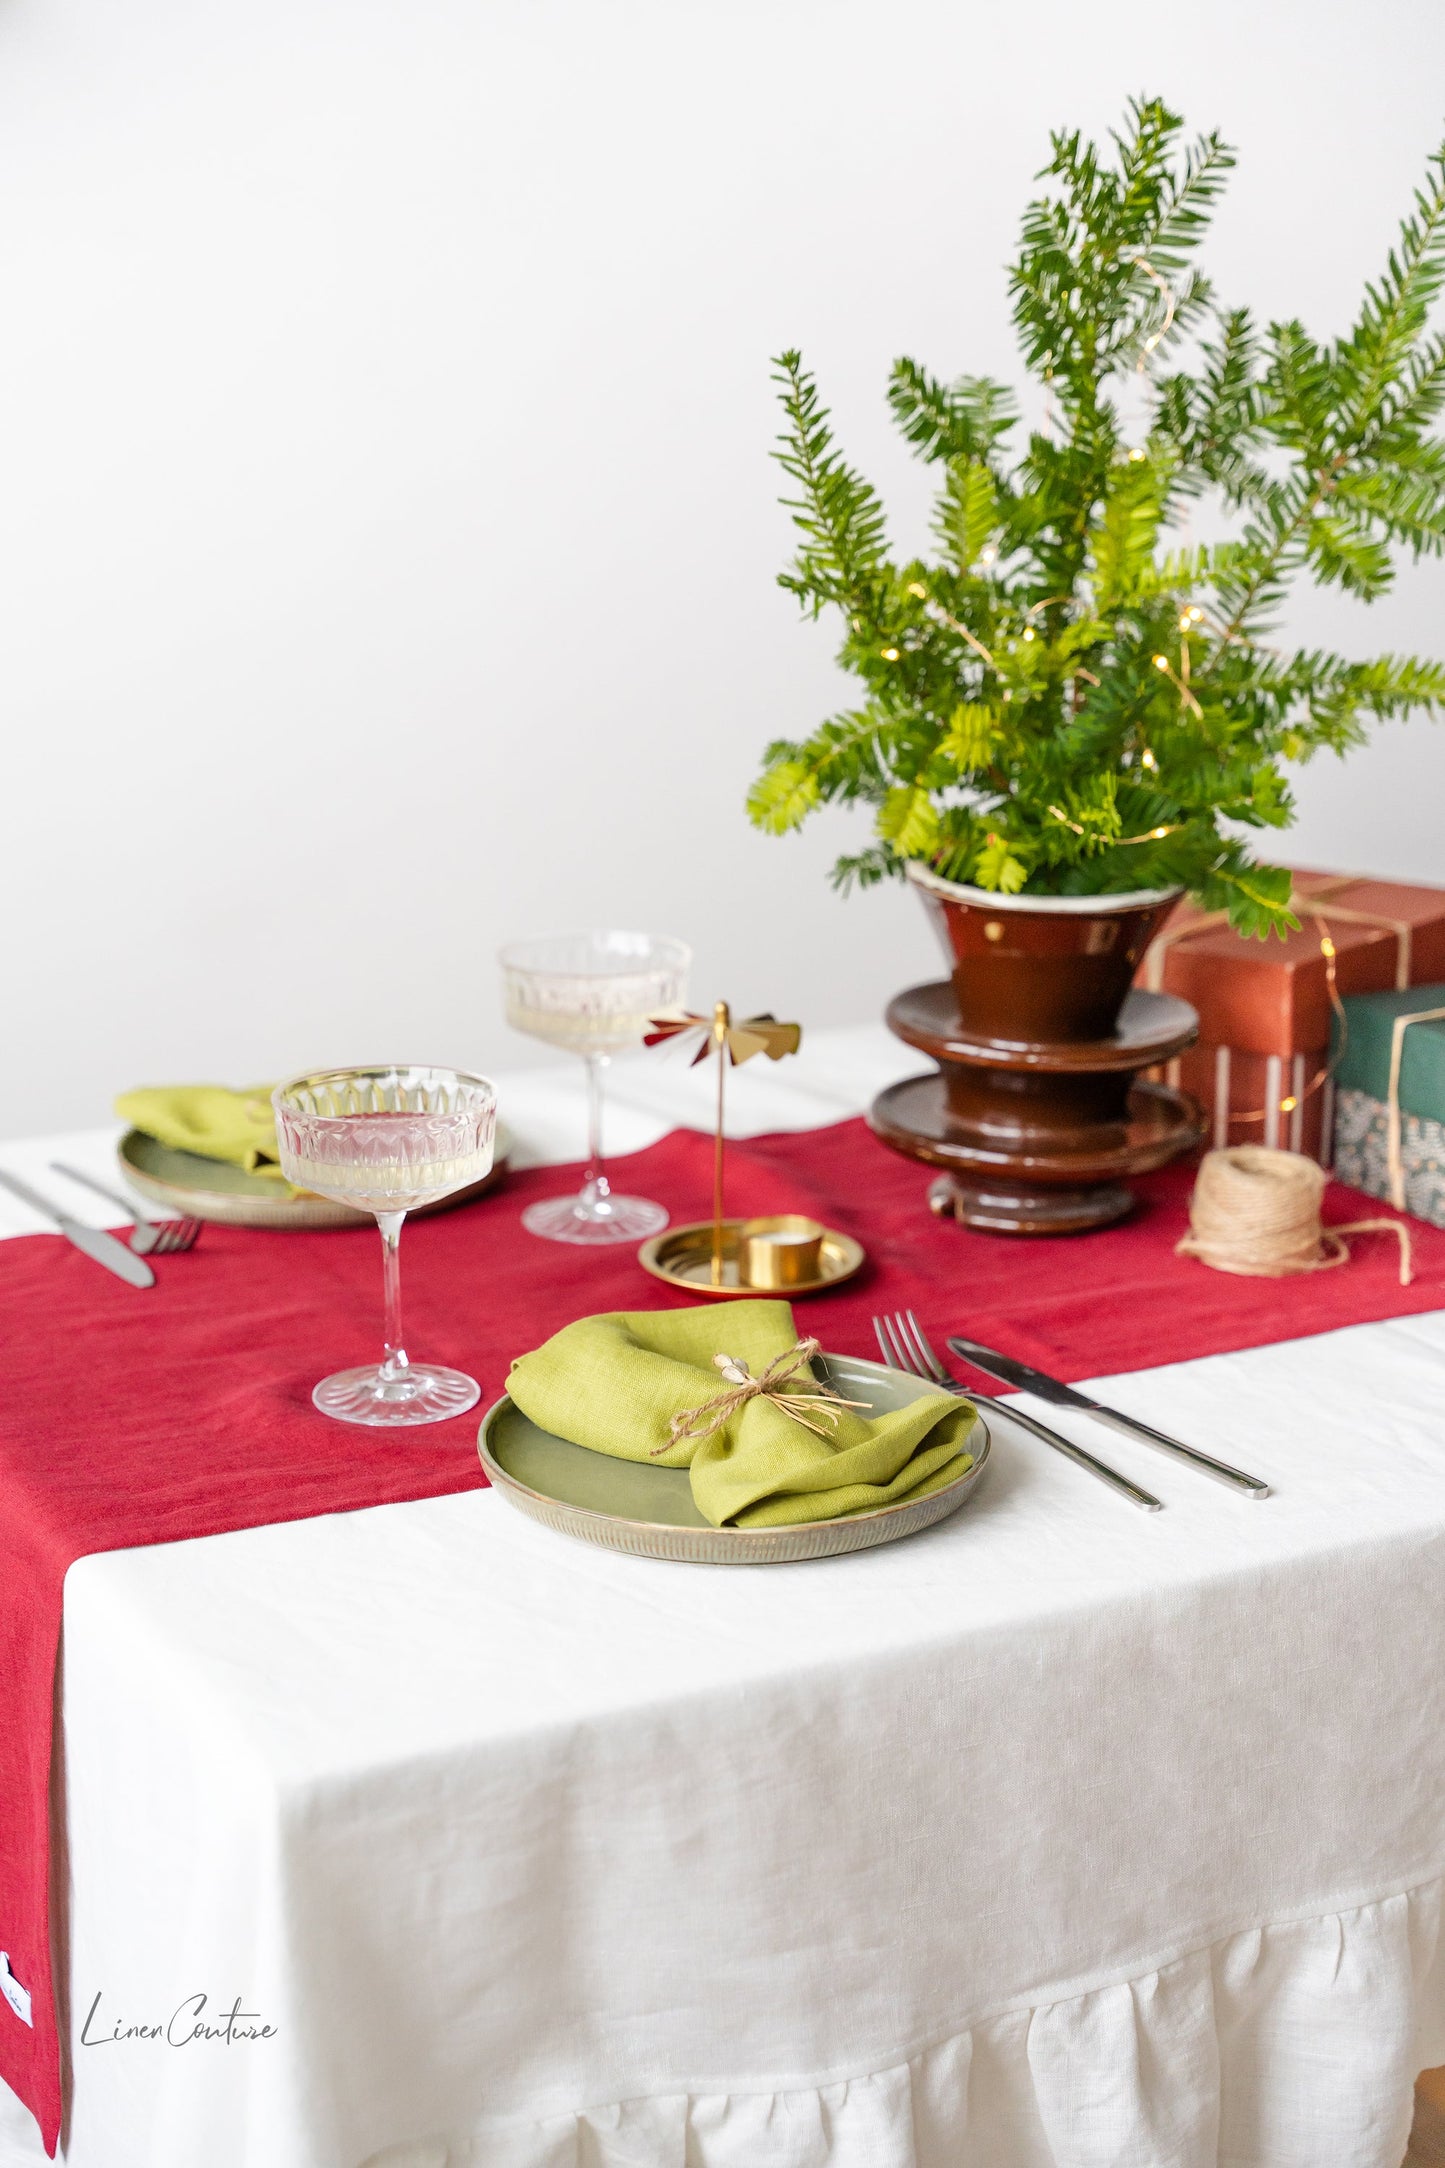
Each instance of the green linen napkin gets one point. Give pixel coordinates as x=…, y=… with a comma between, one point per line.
x=615, y=1382
x=238, y=1127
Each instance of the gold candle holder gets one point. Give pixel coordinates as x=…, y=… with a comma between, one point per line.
x=783, y=1250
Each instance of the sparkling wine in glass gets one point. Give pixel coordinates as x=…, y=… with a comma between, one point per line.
x=593, y=994
x=387, y=1139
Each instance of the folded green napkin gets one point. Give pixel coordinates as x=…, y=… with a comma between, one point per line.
x=207, y=1118
x=614, y=1383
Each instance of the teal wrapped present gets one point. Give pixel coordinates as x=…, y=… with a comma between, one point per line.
x=1389, y=1070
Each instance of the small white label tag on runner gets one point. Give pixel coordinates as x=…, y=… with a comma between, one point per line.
x=17, y=1996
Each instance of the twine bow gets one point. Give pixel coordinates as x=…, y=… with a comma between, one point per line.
x=710, y=1415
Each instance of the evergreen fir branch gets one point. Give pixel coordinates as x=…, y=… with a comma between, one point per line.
x=783, y=796
x=962, y=421
x=1256, y=897
x=967, y=511
x=865, y=869
x=838, y=514
x=1123, y=540
x=1404, y=413
x=908, y=820
x=1065, y=702
x=1344, y=553
x=1406, y=502
x=1395, y=309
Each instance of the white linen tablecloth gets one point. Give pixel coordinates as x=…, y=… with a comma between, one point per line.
x=1061, y=1836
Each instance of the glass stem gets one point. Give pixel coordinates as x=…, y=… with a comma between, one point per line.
x=596, y=1190
x=394, y=1365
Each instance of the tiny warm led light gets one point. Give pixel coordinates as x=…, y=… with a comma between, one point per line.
x=1327, y=946
x=986, y=557
x=1028, y=632
x=1186, y=621
x=1156, y=833
x=1287, y=1106
x=1138, y=453
x=1148, y=758
x=916, y=587
x=1195, y=612
x=890, y=654
x=1161, y=662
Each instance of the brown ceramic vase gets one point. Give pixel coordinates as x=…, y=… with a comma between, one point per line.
x=1036, y=1114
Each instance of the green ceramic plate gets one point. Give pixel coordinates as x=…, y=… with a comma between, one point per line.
x=188, y=1186
x=626, y=1506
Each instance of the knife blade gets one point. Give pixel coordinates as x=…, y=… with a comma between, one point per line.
x=1029, y=1380
x=95, y=1242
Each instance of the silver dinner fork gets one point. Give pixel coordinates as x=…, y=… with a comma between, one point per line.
x=906, y=1347
x=159, y=1238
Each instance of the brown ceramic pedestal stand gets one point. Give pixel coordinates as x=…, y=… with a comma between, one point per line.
x=1038, y=1139
x=1036, y=1116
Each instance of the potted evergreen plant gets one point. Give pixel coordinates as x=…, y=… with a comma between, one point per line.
x=1073, y=713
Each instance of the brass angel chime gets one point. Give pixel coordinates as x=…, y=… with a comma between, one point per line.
x=732, y=1043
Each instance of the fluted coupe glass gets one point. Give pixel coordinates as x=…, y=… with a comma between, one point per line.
x=593, y=993
x=386, y=1139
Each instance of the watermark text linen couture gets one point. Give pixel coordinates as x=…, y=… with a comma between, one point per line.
x=187, y=2024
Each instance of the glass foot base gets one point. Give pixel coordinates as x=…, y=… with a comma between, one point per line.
x=427, y=1394
x=575, y=1219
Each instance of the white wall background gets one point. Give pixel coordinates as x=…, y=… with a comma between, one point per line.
x=387, y=531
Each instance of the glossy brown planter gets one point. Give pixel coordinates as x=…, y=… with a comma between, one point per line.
x=1035, y=1112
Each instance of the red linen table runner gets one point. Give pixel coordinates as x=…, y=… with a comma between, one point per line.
x=135, y=1418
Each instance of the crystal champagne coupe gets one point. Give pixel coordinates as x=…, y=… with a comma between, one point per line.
x=593, y=994
x=387, y=1139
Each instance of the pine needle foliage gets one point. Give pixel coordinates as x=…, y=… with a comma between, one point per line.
x=1066, y=700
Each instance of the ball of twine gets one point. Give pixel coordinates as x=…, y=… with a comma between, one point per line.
x=1257, y=1211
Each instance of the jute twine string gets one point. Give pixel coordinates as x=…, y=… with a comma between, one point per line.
x=1257, y=1211
x=701, y=1422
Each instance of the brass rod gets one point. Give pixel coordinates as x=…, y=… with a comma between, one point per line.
x=720, y=1025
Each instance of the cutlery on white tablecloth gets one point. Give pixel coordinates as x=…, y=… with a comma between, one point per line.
x=163, y=1237
x=904, y=1344
x=1028, y=1380
x=94, y=1241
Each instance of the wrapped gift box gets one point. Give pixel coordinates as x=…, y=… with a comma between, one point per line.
x=1415, y=915
x=1260, y=1098
x=1265, y=1014
x=1389, y=1062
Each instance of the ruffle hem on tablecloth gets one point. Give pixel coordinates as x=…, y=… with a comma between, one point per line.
x=1288, y=2046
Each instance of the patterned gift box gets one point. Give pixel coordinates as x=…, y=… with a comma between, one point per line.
x=1389, y=1065
x=1362, y=1154
x=1260, y=1068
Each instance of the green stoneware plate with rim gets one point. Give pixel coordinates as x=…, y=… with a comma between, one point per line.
x=624, y=1505
x=190, y=1187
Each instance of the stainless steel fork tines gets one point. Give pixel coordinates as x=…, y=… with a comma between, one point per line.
x=148, y=1238
x=905, y=1345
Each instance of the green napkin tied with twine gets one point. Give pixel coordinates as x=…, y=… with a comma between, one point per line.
x=238, y=1127
x=766, y=1443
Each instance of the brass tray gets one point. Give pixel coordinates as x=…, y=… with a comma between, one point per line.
x=682, y=1256
x=185, y=1184
x=625, y=1505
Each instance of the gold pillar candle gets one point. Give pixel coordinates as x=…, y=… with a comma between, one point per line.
x=780, y=1251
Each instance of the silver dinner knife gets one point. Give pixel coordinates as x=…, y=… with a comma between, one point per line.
x=94, y=1241
x=1068, y=1396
